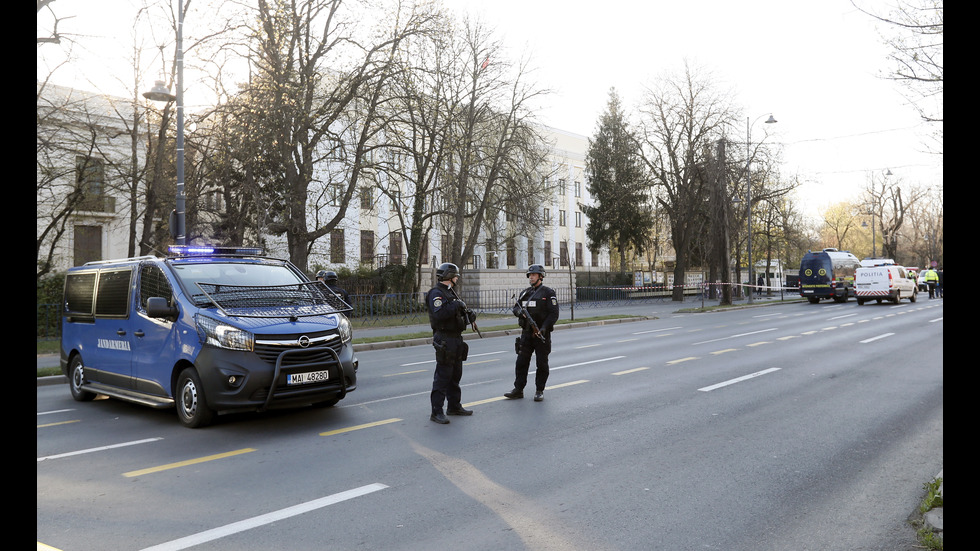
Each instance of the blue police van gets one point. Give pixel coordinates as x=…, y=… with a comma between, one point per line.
x=206, y=330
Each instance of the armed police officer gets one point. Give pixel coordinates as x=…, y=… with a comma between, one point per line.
x=329, y=280
x=537, y=308
x=448, y=316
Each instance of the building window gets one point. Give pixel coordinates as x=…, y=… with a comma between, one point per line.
x=367, y=199
x=90, y=179
x=446, y=251
x=530, y=253
x=547, y=216
x=337, y=247
x=595, y=258
x=547, y=253
x=511, y=252
x=578, y=219
x=561, y=218
x=563, y=254
x=367, y=246
x=561, y=187
x=395, y=248
x=578, y=254
x=578, y=189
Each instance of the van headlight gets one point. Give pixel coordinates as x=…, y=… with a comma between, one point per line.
x=222, y=335
x=344, y=328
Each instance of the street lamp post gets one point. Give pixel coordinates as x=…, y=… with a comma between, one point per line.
x=748, y=191
x=161, y=93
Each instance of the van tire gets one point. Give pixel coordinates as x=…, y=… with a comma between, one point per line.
x=192, y=406
x=860, y=301
x=898, y=297
x=914, y=297
x=813, y=300
x=76, y=376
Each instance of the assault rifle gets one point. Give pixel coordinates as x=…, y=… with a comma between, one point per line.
x=470, y=314
x=535, y=330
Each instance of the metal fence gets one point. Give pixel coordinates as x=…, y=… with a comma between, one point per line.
x=409, y=308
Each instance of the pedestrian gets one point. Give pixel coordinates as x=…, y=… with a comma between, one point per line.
x=939, y=283
x=932, y=278
x=759, y=284
x=329, y=280
x=448, y=317
x=540, y=303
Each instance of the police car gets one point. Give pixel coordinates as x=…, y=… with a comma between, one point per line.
x=206, y=330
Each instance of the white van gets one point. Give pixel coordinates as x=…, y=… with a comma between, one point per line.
x=884, y=281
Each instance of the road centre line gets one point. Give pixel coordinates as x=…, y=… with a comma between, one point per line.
x=587, y=346
x=359, y=427
x=628, y=371
x=935, y=320
x=737, y=336
x=657, y=330
x=98, y=449
x=841, y=316
x=739, y=379
x=55, y=411
x=187, y=463
x=723, y=351
x=680, y=360
x=471, y=355
x=586, y=363
x=55, y=424
x=872, y=339
x=268, y=518
x=405, y=373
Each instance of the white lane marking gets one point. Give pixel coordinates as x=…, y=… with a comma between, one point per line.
x=54, y=411
x=739, y=379
x=99, y=449
x=268, y=518
x=737, y=336
x=872, y=339
x=471, y=356
x=656, y=330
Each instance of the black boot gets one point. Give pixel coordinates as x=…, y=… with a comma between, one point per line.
x=514, y=394
x=439, y=417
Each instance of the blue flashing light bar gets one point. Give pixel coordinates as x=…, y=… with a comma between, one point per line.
x=207, y=250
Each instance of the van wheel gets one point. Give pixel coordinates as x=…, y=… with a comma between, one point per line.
x=898, y=297
x=192, y=407
x=860, y=302
x=76, y=377
x=914, y=296
x=813, y=300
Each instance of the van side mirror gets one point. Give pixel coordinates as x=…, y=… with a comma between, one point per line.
x=157, y=307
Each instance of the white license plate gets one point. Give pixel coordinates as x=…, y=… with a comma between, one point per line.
x=306, y=378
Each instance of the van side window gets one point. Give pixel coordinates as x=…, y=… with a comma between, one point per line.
x=153, y=283
x=112, y=299
x=79, y=292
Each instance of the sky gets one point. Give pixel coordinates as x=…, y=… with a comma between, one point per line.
x=817, y=67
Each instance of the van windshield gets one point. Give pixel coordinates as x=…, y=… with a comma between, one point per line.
x=233, y=273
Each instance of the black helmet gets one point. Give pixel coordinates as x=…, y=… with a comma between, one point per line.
x=446, y=271
x=320, y=274
x=535, y=269
x=329, y=277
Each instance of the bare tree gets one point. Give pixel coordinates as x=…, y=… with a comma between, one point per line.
x=890, y=205
x=914, y=32
x=681, y=117
x=321, y=78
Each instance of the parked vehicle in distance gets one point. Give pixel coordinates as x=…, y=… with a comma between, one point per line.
x=207, y=330
x=881, y=279
x=828, y=274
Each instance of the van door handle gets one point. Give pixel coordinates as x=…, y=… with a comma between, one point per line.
x=120, y=332
x=139, y=333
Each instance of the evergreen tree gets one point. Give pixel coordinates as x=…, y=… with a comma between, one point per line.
x=618, y=183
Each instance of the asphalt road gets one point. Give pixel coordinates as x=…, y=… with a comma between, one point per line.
x=795, y=426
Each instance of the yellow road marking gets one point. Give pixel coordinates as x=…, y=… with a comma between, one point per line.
x=359, y=427
x=677, y=361
x=59, y=423
x=405, y=373
x=717, y=352
x=630, y=371
x=179, y=464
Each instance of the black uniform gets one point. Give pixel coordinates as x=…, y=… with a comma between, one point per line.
x=447, y=316
x=542, y=303
x=343, y=294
